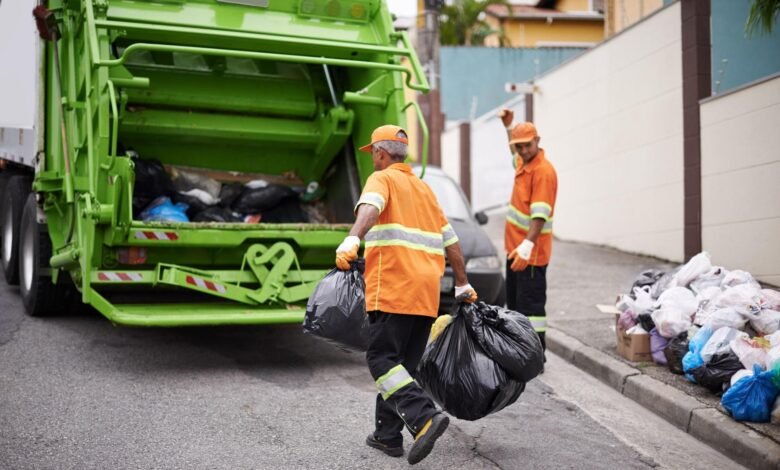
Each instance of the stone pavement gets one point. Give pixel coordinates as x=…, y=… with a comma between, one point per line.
x=581, y=276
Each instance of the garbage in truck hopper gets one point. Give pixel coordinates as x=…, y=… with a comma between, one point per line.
x=717, y=327
x=166, y=193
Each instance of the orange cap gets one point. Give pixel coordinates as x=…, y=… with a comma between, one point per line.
x=388, y=132
x=523, y=132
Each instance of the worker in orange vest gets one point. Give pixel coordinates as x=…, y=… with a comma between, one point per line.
x=528, y=231
x=406, y=236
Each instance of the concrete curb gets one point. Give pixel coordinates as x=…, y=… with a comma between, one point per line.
x=706, y=423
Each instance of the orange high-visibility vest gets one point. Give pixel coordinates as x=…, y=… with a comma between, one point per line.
x=405, y=249
x=533, y=196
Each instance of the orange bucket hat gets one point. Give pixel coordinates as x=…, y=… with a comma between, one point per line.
x=523, y=132
x=387, y=132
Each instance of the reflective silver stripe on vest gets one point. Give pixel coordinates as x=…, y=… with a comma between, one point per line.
x=397, y=232
x=519, y=219
x=395, y=379
x=449, y=236
x=541, y=210
x=374, y=199
x=539, y=323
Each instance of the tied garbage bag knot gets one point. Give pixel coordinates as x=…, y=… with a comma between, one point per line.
x=480, y=362
x=336, y=311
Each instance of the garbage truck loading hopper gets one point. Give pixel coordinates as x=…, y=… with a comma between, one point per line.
x=278, y=90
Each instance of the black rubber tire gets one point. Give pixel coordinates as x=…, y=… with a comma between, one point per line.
x=39, y=295
x=15, y=194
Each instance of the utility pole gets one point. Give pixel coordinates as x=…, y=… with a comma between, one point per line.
x=427, y=39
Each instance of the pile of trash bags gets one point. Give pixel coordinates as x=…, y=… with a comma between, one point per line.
x=177, y=195
x=719, y=328
x=478, y=360
x=336, y=311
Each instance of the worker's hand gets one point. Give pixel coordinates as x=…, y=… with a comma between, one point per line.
x=507, y=116
x=347, y=252
x=466, y=293
x=520, y=255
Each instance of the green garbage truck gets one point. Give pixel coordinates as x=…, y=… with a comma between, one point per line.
x=241, y=92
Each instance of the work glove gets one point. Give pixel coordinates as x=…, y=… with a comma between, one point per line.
x=347, y=252
x=465, y=293
x=520, y=255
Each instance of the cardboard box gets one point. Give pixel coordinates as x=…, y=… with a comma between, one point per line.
x=635, y=348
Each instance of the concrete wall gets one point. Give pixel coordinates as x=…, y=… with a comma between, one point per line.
x=741, y=179
x=611, y=123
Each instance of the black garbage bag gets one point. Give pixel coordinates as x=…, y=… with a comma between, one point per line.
x=151, y=182
x=509, y=339
x=336, y=311
x=646, y=278
x=194, y=205
x=716, y=374
x=646, y=321
x=462, y=371
x=229, y=193
x=286, y=212
x=675, y=351
x=664, y=282
x=217, y=214
x=257, y=200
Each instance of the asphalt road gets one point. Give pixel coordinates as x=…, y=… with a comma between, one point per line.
x=77, y=392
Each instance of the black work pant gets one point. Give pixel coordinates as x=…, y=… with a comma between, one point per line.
x=398, y=340
x=526, y=293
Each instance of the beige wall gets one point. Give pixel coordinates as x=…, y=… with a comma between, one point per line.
x=611, y=123
x=741, y=179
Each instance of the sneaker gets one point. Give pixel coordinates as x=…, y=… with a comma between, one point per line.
x=423, y=442
x=391, y=451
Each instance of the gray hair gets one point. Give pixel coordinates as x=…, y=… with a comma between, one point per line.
x=396, y=150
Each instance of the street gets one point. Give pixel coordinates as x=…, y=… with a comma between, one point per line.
x=77, y=392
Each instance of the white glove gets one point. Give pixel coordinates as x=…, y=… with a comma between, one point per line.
x=524, y=249
x=465, y=293
x=348, y=244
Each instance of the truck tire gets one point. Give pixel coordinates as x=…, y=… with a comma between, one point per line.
x=39, y=296
x=14, y=196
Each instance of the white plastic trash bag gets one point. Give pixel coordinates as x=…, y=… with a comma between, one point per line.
x=678, y=298
x=711, y=278
x=719, y=342
x=749, y=352
x=694, y=268
x=738, y=277
x=766, y=322
x=746, y=299
x=771, y=299
x=773, y=339
x=644, y=302
x=671, y=322
x=636, y=330
x=741, y=374
x=773, y=358
x=724, y=317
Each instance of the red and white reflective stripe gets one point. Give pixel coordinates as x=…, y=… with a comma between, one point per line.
x=204, y=284
x=151, y=235
x=119, y=277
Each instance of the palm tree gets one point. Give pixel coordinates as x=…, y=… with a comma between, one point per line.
x=462, y=23
x=763, y=13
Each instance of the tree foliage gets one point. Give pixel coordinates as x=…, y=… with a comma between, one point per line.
x=763, y=14
x=462, y=23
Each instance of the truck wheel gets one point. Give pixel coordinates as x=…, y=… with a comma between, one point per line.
x=15, y=194
x=39, y=296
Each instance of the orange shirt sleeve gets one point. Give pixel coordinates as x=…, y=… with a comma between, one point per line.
x=544, y=185
x=376, y=192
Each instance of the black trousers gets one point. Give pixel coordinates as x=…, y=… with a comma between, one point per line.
x=526, y=292
x=396, y=345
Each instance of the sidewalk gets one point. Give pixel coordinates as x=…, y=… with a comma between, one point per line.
x=581, y=276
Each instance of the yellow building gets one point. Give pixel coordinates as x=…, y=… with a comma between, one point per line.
x=547, y=23
x=620, y=14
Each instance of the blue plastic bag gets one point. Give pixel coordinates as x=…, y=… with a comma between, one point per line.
x=692, y=358
x=752, y=397
x=163, y=210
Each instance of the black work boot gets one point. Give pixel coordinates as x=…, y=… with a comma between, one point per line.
x=423, y=442
x=371, y=441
